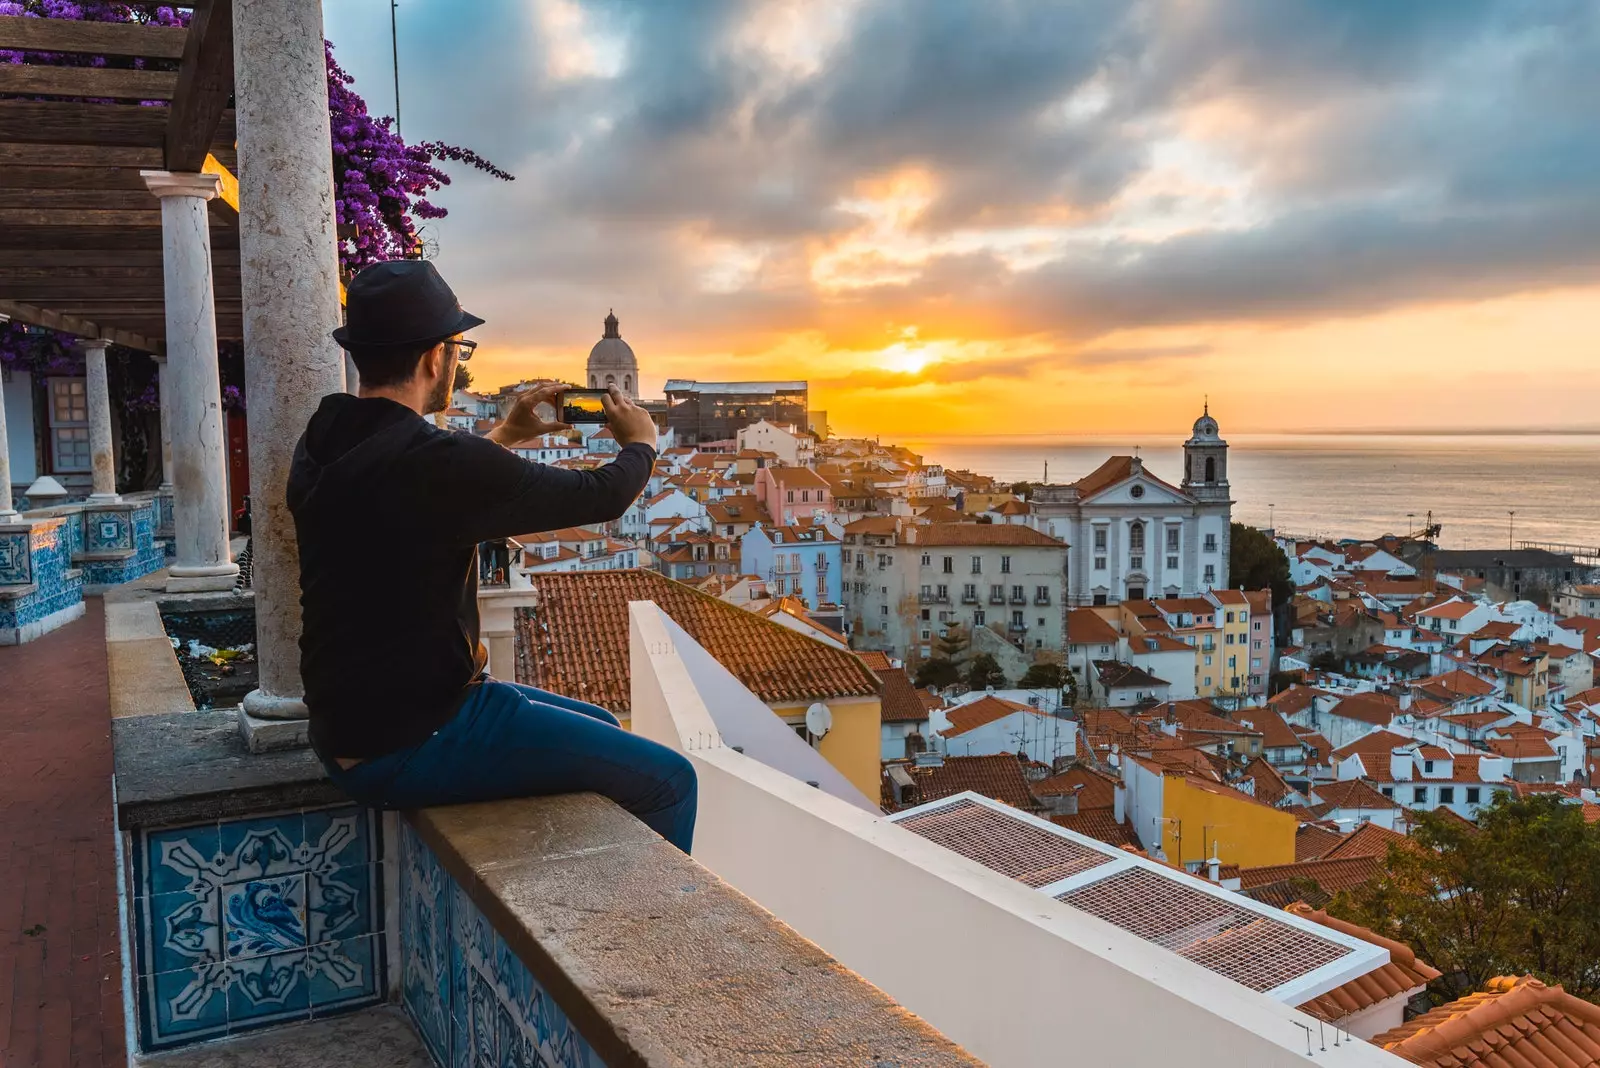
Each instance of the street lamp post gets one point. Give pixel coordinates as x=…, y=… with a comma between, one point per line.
x=1511, y=529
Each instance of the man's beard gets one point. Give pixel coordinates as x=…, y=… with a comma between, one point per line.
x=439, y=396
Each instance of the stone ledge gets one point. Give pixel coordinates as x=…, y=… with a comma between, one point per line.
x=374, y=1038
x=188, y=767
x=654, y=959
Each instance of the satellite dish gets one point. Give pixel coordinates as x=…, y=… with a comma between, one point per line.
x=818, y=719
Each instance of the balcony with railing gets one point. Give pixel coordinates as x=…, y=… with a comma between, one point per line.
x=933, y=597
x=1018, y=598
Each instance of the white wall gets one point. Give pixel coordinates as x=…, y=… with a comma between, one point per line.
x=862, y=889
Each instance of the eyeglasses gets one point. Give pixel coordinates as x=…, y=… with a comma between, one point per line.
x=464, y=349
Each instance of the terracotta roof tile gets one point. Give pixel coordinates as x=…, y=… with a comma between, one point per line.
x=1275, y=730
x=581, y=649
x=875, y=660
x=1311, y=842
x=999, y=777
x=1099, y=790
x=1270, y=786
x=1403, y=975
x=1099, y=824
x=1368, y=840
x=999, y=534
x=1378, y=709
x=1348, y=794
x=983, y=711
x=901, y=702
x=1513, y=1022
x=1331, y=875
x=1085, y=627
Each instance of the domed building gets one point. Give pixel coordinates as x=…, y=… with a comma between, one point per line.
x=612, y=362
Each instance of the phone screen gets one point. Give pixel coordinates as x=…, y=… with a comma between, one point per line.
x=582, y=406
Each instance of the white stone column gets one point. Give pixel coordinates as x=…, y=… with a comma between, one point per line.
x=191, y=387
x=8, y=509
x=164, y=392
x=98, y=396
x=290, y=272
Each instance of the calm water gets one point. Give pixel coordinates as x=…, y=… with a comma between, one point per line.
x=1350, y=485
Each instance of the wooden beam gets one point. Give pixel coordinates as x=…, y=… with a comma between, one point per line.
x=94, y=156
x=95, y=83
x=221, y=259
x=228, y=188
x=37, y=316
x=205, y=83
x=75, y=217
x=55, y=122
x=51, y=294
x=101, y=238
x=92, y=38
x=70, y=177
x=98, y=199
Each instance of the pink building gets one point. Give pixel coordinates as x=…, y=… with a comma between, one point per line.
x=792, y=493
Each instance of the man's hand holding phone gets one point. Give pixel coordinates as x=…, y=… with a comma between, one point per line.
x=523, y=422
x=629, y=423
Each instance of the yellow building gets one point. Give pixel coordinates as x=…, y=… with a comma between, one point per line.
x=1185, y=819
x=1233, y=659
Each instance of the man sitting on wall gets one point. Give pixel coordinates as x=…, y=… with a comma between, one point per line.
x=389, y=510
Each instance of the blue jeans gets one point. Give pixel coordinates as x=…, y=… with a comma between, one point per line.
x=517, y=741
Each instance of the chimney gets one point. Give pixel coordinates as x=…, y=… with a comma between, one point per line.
x=1214, y=866
x=1401, y=764
x=1119, y=803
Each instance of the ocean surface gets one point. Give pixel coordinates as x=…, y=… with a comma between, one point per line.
x=1345, y=485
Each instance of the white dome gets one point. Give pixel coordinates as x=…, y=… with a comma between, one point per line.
x=611, y=353
x=1206, y=430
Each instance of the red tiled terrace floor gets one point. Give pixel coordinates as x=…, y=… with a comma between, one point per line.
x=60, y=987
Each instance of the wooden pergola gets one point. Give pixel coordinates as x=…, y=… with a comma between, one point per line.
x=80, y=235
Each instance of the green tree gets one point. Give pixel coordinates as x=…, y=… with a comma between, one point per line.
x=1022, y=489
x=1256, y=563
x=984, y=671
x=463, y=377
x=938, y=671
x=1042, y=677
x=1518, y=894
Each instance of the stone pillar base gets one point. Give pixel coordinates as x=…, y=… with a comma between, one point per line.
x=201, y=579
x=271, y=706
x=271, y=735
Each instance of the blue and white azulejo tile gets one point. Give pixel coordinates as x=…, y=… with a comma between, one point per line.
x=258, y=921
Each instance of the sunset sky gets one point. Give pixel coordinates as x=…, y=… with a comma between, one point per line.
x=995, y=217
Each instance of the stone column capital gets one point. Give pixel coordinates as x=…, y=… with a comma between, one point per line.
x=90, y=344
x=179, y=184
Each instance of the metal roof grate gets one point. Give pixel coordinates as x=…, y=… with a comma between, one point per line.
x=1029, y=854
x=1231, y=940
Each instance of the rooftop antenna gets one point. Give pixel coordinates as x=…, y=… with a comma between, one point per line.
x=394, y=45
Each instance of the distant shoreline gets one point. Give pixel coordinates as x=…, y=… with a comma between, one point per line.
x=1578, y=432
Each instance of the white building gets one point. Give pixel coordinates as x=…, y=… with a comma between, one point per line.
x=988, y=724
x=637, y=521
x=1135, y=536
x=793, y=447
x=904, y=585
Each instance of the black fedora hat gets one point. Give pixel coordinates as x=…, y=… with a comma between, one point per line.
x=400, y=302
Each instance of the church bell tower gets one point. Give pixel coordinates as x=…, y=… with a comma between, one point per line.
x=1205, y=460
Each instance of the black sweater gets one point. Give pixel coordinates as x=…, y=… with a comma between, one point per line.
x=389, y=511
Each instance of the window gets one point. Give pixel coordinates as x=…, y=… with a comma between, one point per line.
x=949, y=565
x=1136, y=538
x=926, y=559
x=883, y=563
x=1474, y=793
x=1257, y=626
x=1427, y=767
x=805, y=496
x=997, y=593
x=1388, y=791
x=1099, y=600
x=1229, y=638
x=1419, y=795
x=1005, y=565
x=847, y=556
x=978, y=618
x=1208, y=661
x=1136, y=563
x=1041, y=621
x=1016, y=620
x=883, y=609
x=1208, y=680
x=1017, y=594
x=69, y=425
x=1229, y=619
x=1256, y=644
x=1255, y=663
x=969, y=592
x=782, y=586
x=791, y=496
x=942, y=593
x=1135, y=593
x=1041, y=594
x=1172, y=563
x=1099, y=563
x=1099, y=539
x=977, y=565
x=1211, y=572
x=1447, y=795
x=1211, y=543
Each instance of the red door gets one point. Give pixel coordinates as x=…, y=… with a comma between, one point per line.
x=238, y=465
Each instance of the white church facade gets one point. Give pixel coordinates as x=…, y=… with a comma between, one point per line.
x=1133, y=536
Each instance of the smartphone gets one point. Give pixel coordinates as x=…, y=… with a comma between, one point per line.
x=582, y=406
